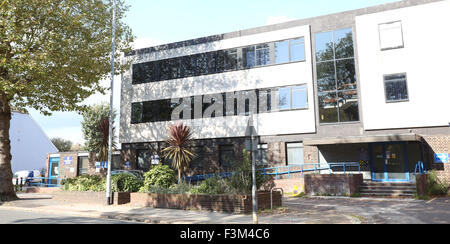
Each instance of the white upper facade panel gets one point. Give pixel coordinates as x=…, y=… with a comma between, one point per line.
x=403, y=66
x=288, y=74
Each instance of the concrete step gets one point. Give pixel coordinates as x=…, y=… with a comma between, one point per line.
x=388, y=189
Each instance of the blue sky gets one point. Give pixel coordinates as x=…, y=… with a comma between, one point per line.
x=164, y=21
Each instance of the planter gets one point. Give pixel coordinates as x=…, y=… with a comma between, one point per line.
x=219, y=203
x=333, y=185
x=88, y=197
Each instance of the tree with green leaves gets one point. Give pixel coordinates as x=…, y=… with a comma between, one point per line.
x=61, y=144
x=95, y=128
x=52, y=56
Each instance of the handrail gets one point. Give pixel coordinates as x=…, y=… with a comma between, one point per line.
x=419, y=169
x=41, y=182
x=281, y=170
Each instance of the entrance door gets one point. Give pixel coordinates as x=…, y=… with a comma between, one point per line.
x=389, y=162
x=53, y=172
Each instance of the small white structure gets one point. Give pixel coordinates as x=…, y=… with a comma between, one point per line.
x=29, y=144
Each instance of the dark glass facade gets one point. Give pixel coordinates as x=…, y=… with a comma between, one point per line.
x=336, y=77
x=221, y=104
x=220, y=61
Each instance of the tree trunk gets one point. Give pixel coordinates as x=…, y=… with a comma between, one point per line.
x=7, y=192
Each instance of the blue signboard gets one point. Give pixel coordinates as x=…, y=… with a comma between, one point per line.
x=441, y=158
x=68, y=160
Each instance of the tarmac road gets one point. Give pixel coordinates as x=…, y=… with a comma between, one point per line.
x=27, y=217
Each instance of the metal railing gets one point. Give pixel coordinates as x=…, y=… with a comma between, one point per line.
x=311, y=167
x=21, y=182
x=419, y=169
x=286, y=170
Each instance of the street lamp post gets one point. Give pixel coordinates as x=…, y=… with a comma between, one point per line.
x=108, y=177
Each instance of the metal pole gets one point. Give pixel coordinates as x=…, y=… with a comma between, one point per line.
x=254, y=190
x=108, y=177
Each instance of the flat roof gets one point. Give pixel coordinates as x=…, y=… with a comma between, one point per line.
x=362, y=139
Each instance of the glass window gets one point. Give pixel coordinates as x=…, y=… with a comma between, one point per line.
x=348, y=106
x=343, y=43
x=262, y=157
x=83, y=165
x=294, y=153
x=396, y=87
x=143, y=159
x=231, y=60
x=282, y=52
x=284, y=101
x=346, y=74
x=297, y=50
x=226, y=154
x=262, y=55
x=136, y=113
x=391, y=35
x=326, y=76
x=324, y=46
x=149, y=112
x=249, y=54
x=328, y=112
x=336, y=77
x=299, y=97
x=197, y=161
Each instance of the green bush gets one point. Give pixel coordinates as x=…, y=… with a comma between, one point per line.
x=159, y=176
x=435, y=186
x=125, y=183
x=213, y=185
x=84, y=183
x=242, y=180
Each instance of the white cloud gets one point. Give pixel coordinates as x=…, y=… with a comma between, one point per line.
x=271, y=20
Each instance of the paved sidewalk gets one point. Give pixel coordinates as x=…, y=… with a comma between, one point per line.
x=311, y=210
x=44, y=204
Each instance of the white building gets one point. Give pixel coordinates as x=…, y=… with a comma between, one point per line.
x=366, y=85
x=29, y=143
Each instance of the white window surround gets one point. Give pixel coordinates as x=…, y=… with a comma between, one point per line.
x=391, y=35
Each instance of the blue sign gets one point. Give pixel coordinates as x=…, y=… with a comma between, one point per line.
x=68, y=160
x=441, y=158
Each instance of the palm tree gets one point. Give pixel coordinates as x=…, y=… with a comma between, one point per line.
x=178, y=151
x=103, y=139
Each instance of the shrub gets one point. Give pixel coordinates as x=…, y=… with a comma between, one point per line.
x=159, y=176
x=242, y=181
x=435, y=186
x=84, y=183
x=213, y=185
x=125, y=183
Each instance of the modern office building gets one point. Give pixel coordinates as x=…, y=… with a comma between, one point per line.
x=367, y=85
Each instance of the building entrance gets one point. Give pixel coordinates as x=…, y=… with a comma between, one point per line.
x=389, y=162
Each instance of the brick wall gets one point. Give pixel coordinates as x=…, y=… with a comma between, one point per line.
x=337, y=184
x=219, y=203
x=437, y=144
x=288, y=184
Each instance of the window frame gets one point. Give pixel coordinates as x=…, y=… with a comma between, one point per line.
x=401, y=31
x=406, y=88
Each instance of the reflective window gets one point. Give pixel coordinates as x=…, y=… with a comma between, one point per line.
x=143, y=159
x=226, y=155
x=262, y=55
x=249, y=54
x=220, y=61
x=299, y=97
x=324, y=46
x=297, y=50
x=336, y=77
x=295, y=153
x=288, y=98
x=282, y=52
x=284, y=101
x=396, y=87
x=328, y=109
